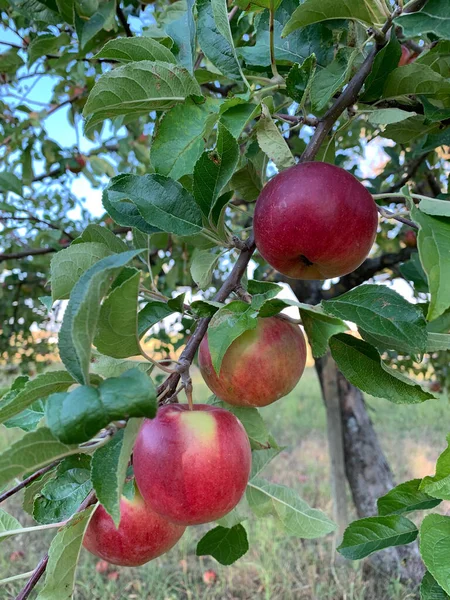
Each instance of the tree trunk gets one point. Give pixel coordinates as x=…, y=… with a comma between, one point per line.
x=367, y=470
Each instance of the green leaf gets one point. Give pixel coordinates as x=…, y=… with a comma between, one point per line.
x=109, y=468
x=113, y=367
x=437, y=57
x=77, y=416
x=152, y=313
x=314, y=39
x=29, y=418
x=261, y=458
x=182, y=32
x=46, y=44
x=413, y=271
x=262, y=290
x=404, y=498
x=314, y=11
x=34, y=450
x=226, y=545
x=124, y=212
x=300, y=78
x=438, y=486
x=136, y=89
x=134, y=49
x=81, y=317
x=435, y=207
x=215, y=39
x=380, y=311
x=293, y=514
x=7, y=523
x=202, y=267
x=214, y=169
x=369, y=535
x=252, y=421
x=361, y=364
x=14, y=402
x=246, y=183
x=438, y=342
x=228, y=324
x=10, y=61
x=10, y=183
x=434, y=140
x=176, y=155
x=385, y=62
x=68, y=265
x=103, y=18
x=331, y=79
x=33, y=489
x=236, y=117
x=117, y=323
x=431, y=590
x=205, y=308
x=433, y=18
x=319, y=328
x=387, y=116
x=63, y=558
x=271, y=141
x=60, y=497
x=416, y=79
x=433, y=243
x=162, y=202
x=435, y=548
x=409, y=130
x=101, y=235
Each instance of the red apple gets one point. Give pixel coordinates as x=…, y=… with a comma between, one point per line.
x=142, y=534
x=76, y=163
x=315, y=221
x=192, y=466
x=408, y=56
x=410, y=239
x=260, y=366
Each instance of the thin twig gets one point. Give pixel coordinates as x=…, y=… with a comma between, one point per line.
x=28, y=480
x=387, y=214
x=123, y=20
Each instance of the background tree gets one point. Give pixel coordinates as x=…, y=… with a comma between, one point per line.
x=180, y=114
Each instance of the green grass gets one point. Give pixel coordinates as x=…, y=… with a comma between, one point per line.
x=276, y=567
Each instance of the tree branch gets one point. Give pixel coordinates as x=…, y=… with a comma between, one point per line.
x=123, y=20
x=410, y=172
x=27, y=481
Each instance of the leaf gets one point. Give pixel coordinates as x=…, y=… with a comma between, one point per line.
x=435, y=548
x=387, y=116
x=182, y=32
x=385, y=62
x=109, y=468
x=431, y=590
x=224, y=544
x=34, y=488
x=7, y=523
x=176, y=155
x=314, y=39
x=117, y=323
x=437, y=57
x=438, y=486
x=271, y=142
x=101, y=235
x=435, y=207
x=34, y=450
x=202, y=267
x=300, y=78
x=29, y=418
x=215, y=39
x=331, y=79
x=10, y=183
x=252, y=421
x=293, y=513
x=412, y=270
x=41, y=386
x=261, y=458
x=134, y=49
x=404, y=498
x=152, y=313
x=434, y=140
x=63, y=558
x=103, y=18
x=236, y=117
x=205, y=308
x=77, y=416
x=433, y=242
x=246, y=183
x=113, y=367
x=162, y=202
x=433, y=18
x=415, y=79
x=320, y=328
x=136, y=89
x=214, y=169
x=385, y=314
x=46, y=44
x=61, y=496
x=314, y=11
x=372, y=534
x=262, y=290
x=361, y=364
x=228, y=324
x=409, y=130
x=81, y=317
x=123, y=212
x=438, y=342
x=68, y=265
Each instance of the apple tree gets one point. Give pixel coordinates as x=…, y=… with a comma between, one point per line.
x=231, y=143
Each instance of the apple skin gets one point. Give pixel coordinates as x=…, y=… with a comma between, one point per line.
x=408, y=56
x=260, y=366
x=315, y=221
x=192, y=466
x=410, y=239
x=142, y=534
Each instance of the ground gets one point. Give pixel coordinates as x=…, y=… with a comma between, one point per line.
x=276, y=567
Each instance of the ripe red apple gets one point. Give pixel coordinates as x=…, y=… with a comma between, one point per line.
x=192, y=466
x=142, y=534
x=260, y=366
x=408, y=56
x=410, y=239
x=315, y=221
x=76, y=163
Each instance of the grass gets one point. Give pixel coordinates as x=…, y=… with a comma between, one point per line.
x=276, y=567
